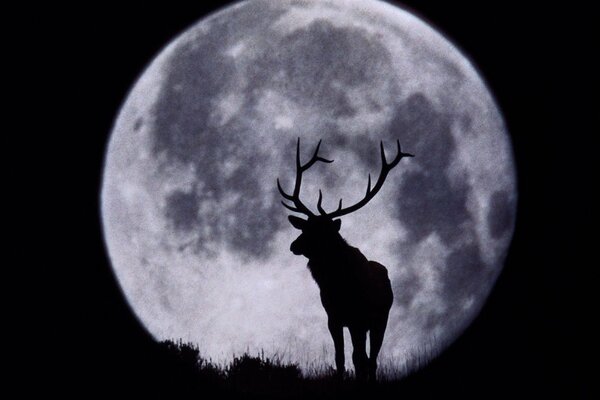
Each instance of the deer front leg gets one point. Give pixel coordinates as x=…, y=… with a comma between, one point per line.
x=359, y=354
x=337, y=334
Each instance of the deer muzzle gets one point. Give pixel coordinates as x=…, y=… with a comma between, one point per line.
x=295, y=248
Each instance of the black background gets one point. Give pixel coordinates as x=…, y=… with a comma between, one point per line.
x=529, y=339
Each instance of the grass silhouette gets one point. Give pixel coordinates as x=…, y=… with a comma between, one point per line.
x=176, y=370
x=259, y=376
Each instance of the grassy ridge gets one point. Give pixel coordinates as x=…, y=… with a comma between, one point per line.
x=176, y=370
x=255, y=375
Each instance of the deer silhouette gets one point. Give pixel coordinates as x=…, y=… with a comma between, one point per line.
x=355, y=292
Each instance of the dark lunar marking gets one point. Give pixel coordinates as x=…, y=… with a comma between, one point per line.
x=138, y=124
x=182, y=210
x=431, y=320
x=196, y=77
x=451, y=69
x=246, y=226
x=164, y=301
x=187, y=132
x=365, y=148
x=464, y=274
x=500, y=215
x=466, y=122
x=452, y=72
x=427, y=200
x=367, y=152
x=162, y=289
x=406, y=288
x=430, y=204
x=198, y=74
x=424, y=131
x=338, y=140
x=315, y=65
x=330, y=179
x=256, y=221
x=238, y=23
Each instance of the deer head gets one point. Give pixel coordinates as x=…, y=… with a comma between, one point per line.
x=319, y=232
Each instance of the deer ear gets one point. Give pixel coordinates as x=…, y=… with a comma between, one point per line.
x=296, y=222
x=337, y=224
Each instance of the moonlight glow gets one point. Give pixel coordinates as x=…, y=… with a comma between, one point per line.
x=192, y=218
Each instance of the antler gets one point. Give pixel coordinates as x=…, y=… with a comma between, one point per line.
x=295, y=197
x=385, y=169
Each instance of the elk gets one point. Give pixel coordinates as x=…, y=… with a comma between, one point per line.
x=355, y=292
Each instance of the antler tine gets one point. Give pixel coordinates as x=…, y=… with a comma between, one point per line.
x=291, y=208
x=298, y=170
x=315, y=158
x=287, y=197
x=339, y=206
x=385, y=169
x=295, y=196
x=401, y=153
x=319, y=207
x=283, y=193
x=383, y=160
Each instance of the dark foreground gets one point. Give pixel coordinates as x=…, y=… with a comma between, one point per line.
x=255, y=376
x=176, y=370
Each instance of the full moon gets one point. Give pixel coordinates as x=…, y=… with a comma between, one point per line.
x=193, y=221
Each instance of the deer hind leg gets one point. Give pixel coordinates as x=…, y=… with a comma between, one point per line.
x=376, y=339
x=337, y=334
x=359, y=352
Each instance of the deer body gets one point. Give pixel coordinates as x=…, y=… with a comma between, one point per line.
x=355, y=292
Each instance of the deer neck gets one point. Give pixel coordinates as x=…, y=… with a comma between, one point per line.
x=329, y=253
x=328, y=263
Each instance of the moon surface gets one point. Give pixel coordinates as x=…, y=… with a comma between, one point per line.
x=192, y=218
